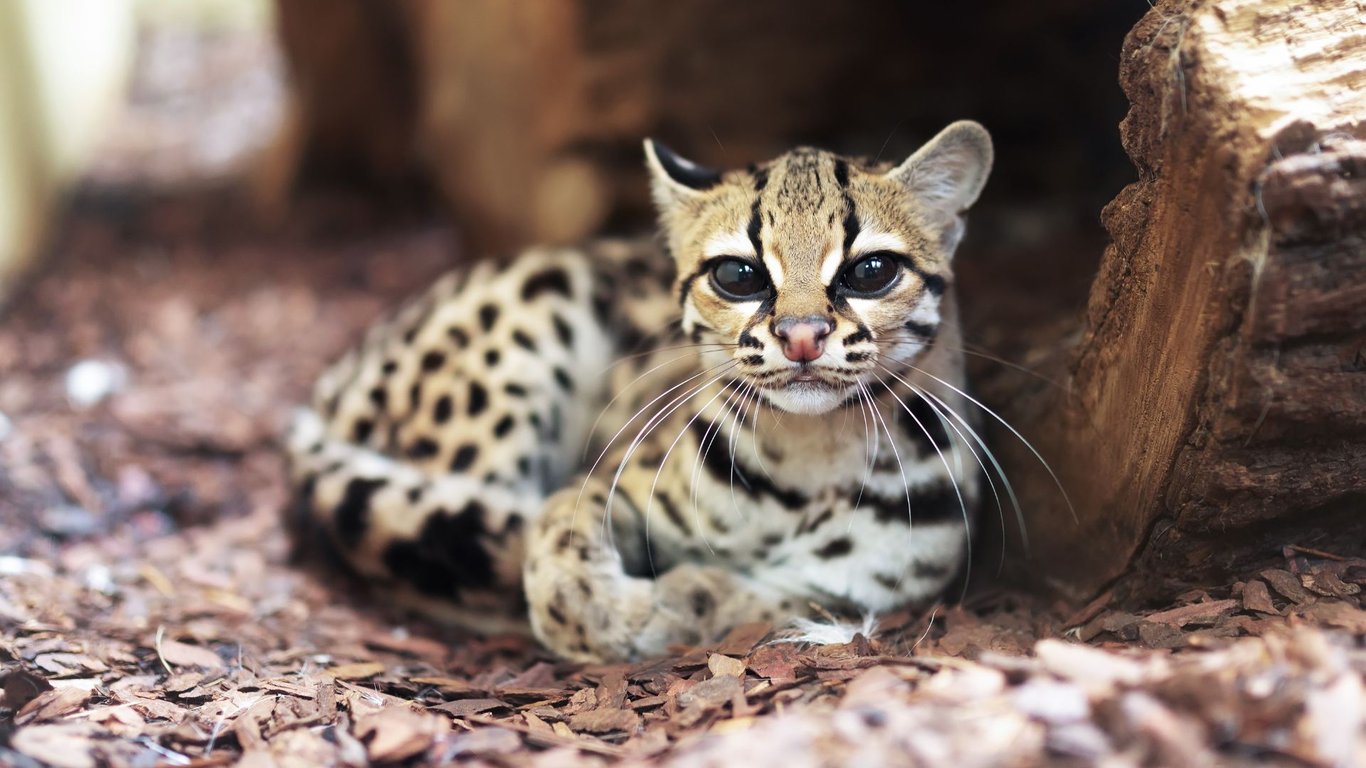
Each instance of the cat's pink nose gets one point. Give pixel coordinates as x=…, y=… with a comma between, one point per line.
x=803, y=338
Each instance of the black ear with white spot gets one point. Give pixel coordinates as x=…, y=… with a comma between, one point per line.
x=674, y=179
x=947, y=175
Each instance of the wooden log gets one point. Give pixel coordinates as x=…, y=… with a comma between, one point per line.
x=1216, y=397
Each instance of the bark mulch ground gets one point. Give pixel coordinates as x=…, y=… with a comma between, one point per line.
x=150, y=613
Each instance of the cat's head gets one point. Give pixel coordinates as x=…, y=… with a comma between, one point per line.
x=812, y=273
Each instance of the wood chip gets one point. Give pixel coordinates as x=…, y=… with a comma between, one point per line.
x=1286, y=584
x=725, y=666
x=52, y=705
x=605, y=721
x=357, y=671
x=179, y=654
x=1256, y=597
x=1196, y=613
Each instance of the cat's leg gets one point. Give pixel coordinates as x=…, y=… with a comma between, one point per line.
x=592, y=596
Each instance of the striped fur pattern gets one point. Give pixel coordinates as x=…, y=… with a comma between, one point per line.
x=768, y=395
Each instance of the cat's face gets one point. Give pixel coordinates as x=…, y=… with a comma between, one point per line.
x=811, y=276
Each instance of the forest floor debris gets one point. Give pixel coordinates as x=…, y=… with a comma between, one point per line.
x=150, y=613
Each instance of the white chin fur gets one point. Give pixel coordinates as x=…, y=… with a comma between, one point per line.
x=806, y=399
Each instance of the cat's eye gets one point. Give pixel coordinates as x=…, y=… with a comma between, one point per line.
x=738, y=280
x=871, y=275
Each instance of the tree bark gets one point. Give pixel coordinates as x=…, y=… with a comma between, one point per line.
x=1215, y=403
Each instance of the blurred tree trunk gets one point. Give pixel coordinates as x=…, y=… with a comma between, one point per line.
x=528, y=115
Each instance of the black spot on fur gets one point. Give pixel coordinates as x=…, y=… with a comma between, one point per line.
x=924, y=427
x=423, y=448
x=488, y=315
x=563, y=330
x=379, y=396
x=464, y=457
x=672, y=512
x=389, y=367
x=923, y=330
x=458, y=336
x=562, y=378
x=933, y=504
x=702, y=603
x=851, y=226
x=432, y=361
x=747, y=340
x=760, y=179
x=753, y=359
x=415, y=395
x=565, y=541
x=504, y=426
x=858, y=337
x=361, y=430
x=836, y=548
x=553, y=280
x=479, y=398
x=491, y=357
x=524, y=466
x=446, y=555
x=516, y=390
x=856, y=357
x=524, y=341
x=887, y=581
x=842, y=173
x=415, y=494
x=809, y=526
x=755, y=228
x=556, y=615
x=719, y=463
x=441, y=412
x=353, y=513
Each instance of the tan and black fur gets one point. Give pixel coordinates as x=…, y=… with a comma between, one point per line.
x=749, y=454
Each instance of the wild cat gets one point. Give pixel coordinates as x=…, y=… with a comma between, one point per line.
x=751, y=417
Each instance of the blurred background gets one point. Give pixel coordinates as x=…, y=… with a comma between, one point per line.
x=203, y=201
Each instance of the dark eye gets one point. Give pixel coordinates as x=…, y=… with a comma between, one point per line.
x=872, y=274
x=738, y=280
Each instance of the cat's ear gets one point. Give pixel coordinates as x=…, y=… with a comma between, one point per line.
x=947, y=174
x=675, y=179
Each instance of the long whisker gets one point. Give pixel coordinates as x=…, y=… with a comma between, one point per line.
x=752, y=390
x=962, y=503
x=654, y=484
x=649, y=424
x=901, y=468
x=894, y=339
x=708, y=439
x=588, y=439
x=1013, y=431
x=991, y=456
x=869, y=454
x=940, y=408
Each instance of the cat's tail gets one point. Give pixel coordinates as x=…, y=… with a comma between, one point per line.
x=449, y=545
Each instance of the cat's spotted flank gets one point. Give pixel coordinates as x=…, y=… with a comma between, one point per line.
x=637, y=444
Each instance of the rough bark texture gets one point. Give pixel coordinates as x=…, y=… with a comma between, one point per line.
x=1217, y=396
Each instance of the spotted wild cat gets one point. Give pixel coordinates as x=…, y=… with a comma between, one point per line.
x=768, y=394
